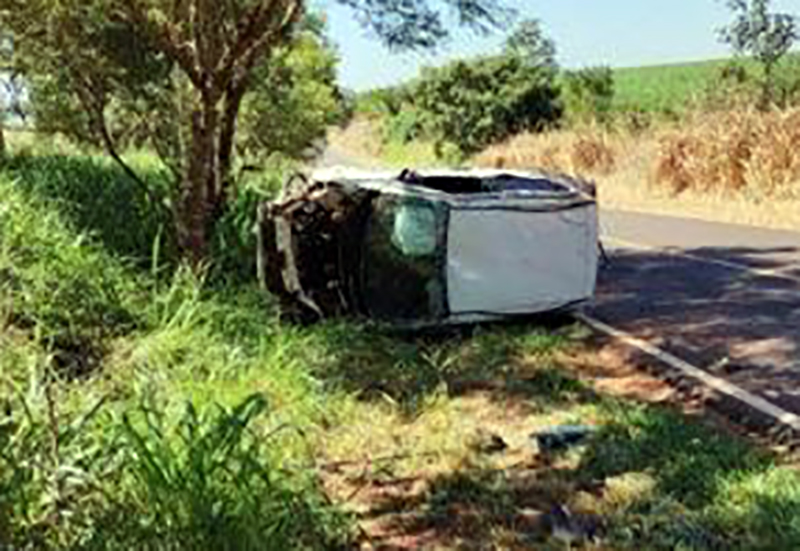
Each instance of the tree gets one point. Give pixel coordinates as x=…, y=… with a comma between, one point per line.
x=206, y=54
x=468, y=104
x=765, y=35
x=529, y=42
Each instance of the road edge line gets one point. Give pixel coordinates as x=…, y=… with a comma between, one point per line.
x=720, y=385
x=760, y=272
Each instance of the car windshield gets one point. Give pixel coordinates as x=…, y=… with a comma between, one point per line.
x=403, y=274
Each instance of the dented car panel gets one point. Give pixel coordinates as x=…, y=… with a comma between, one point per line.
x=429, y=248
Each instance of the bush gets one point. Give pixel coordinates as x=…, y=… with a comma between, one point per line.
x=381, y=102
x=403, y=128
x=589, y=94
x=144, y=480
x=472, y=104
x=233, y=246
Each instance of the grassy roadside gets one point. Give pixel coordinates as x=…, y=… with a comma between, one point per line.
x=145, y=407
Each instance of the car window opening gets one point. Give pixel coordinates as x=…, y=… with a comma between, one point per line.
x=464, y=185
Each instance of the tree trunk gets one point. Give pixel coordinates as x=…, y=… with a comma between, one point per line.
x=200, y=187
x=2, y=140
x=233, y=102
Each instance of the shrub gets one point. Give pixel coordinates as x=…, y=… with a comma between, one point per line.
x=472, y=104
x=404, y=127
x=589, y=94
x=233, y=246
x=381, y=101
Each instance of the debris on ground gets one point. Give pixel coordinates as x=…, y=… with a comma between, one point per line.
x=561, y=437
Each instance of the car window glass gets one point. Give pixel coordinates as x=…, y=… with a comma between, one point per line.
x=415, y=229
x=402, y=264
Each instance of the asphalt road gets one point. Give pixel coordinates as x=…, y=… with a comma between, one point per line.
x=723, y=297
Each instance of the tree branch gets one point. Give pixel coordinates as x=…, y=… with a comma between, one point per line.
x=96, y=112
x=256, y=36
x=167, y=38
x=249, y=29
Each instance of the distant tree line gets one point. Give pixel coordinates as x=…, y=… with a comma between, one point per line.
x=468, y=104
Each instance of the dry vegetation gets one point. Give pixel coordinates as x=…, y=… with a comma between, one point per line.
x=741, y=165
x=737, y=165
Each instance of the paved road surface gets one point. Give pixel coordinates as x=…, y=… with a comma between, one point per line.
x=723, y=297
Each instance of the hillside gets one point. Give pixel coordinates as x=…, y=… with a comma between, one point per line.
x=669, y=87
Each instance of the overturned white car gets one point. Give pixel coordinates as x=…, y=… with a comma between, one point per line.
x=430, y=248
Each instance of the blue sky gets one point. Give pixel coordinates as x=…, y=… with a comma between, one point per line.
x=619, y=33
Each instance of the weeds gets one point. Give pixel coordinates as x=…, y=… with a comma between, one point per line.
x=203, y=421
x=56, y=282
x=739, y=151
x=105, y=481
x=588, y=151
x=206, y=484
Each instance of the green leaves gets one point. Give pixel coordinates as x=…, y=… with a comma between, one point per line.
x=589, y=93
x=765, y=35
x=147, y=479
x=472, y=104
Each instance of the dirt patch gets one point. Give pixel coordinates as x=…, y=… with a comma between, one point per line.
x=617, y=370
x=464, y=473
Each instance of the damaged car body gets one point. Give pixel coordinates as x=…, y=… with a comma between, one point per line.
x=429, y=248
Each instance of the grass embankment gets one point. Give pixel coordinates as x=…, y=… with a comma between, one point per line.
x=143, y=407
x=677, y=88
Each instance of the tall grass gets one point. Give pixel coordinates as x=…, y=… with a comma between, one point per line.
x=198, y=421
x=740, y=152
x=145, y=479
x=99, y=199
x=57, y=282
x=127, y=413
x=590, y=150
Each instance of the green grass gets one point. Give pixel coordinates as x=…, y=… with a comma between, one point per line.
x=147, y=407
x=673, y=88
x=661, y=88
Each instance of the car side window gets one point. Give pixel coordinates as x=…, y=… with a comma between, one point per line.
x=404, y=244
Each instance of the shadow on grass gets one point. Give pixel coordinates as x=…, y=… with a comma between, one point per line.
x=379, y=365
x=690, y=503
x=99, y=198
x=694, y=471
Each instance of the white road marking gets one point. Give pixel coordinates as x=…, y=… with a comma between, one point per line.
x=720, y=385
x=761, y=272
